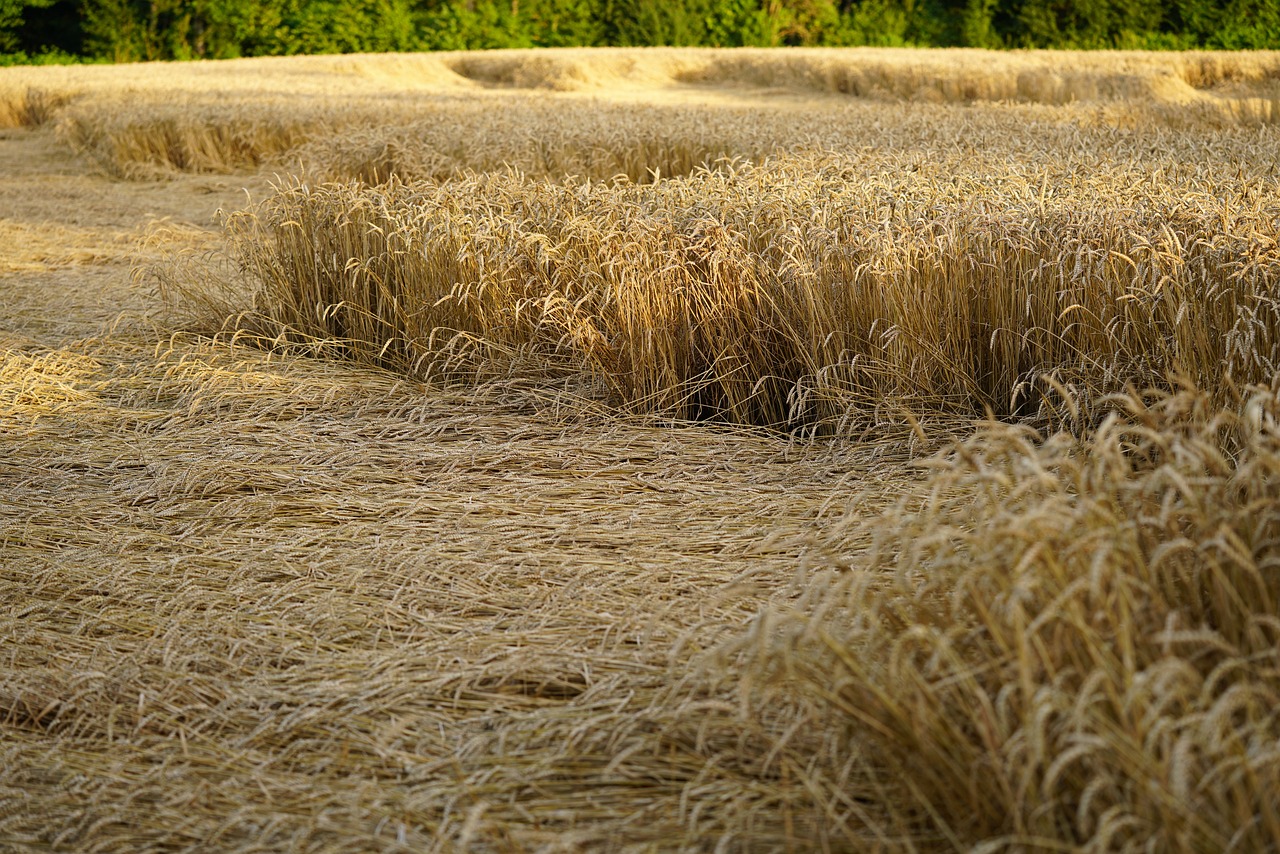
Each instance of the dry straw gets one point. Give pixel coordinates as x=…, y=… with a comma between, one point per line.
x=258, y=602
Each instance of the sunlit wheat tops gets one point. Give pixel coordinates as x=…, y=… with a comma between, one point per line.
x=1057, y=645
x=807, y=290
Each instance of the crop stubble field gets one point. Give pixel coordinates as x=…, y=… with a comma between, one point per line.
x=812, y=449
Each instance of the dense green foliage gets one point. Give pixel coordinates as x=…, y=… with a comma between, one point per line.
x=122, y=30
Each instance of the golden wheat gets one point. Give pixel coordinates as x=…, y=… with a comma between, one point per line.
x=137, y=119
x=252, y=599
x=1057, y=643
x=810, y=290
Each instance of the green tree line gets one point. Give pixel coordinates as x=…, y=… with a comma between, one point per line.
x=130, y=30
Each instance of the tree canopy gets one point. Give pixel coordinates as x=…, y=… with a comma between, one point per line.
x=129, y=30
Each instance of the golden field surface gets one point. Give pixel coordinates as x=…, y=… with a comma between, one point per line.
x=659, y=449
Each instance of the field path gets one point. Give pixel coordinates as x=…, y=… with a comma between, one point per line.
x=281, y=604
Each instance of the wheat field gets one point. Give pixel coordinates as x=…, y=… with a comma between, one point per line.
x=665, y=449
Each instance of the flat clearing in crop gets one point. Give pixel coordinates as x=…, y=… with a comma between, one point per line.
x=641, y=449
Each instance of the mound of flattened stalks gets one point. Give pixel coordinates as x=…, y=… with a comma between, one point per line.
x=1057, y=645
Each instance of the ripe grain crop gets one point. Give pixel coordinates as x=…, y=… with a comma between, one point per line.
x=141, y=120
x=1054, y=643
x=445, y=561
x=811, y=291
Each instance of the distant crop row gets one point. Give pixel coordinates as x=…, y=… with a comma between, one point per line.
x=433, y=115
